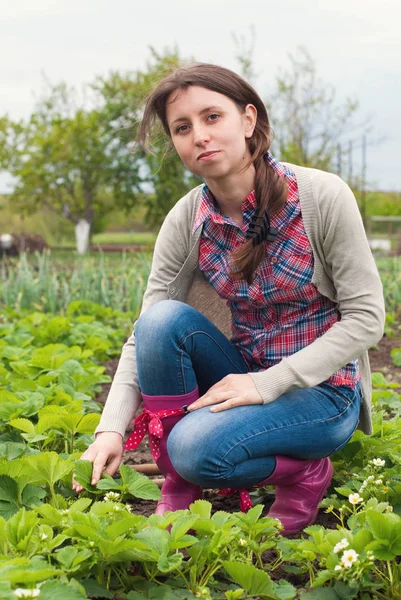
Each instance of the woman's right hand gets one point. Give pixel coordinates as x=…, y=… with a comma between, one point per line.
x=105, y=453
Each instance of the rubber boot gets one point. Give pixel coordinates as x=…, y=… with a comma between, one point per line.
x=177, y=493
x=300, y=486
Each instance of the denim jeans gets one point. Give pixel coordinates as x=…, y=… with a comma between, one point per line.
x=178, y=349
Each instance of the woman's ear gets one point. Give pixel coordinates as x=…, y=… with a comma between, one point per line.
x=250, y=116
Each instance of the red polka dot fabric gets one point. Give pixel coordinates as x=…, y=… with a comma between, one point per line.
x=150, y=422
x=245, y=502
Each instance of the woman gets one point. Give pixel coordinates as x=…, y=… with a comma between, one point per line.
x=285, y=248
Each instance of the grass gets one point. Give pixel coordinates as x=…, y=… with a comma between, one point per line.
x=49, y=283
x=124, y=237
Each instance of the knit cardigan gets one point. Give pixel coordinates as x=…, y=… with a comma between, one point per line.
x=344, y=271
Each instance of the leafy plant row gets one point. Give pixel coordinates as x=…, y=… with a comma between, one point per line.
x=54, y=545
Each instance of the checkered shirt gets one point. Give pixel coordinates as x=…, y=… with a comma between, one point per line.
x=282, y=311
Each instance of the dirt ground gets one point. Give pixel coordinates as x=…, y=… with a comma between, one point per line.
x=380, y=360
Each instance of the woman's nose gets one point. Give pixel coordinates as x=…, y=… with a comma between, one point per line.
x=201, y=135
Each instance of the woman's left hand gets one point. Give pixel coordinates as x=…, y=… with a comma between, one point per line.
x=233, y=390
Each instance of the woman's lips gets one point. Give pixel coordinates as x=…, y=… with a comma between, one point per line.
x=208, y=155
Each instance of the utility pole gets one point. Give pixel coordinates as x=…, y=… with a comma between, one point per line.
x=339, y=165
x=363, y=181
x=350, y=174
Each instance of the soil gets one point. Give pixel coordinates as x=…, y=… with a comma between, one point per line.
x=380, y=360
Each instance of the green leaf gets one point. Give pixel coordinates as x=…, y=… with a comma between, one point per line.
x=201, y=508
x=23, y=425
x=24, y=571
x=379, y=381
x=8, y=489
x=88, y=423
x=71, y=558
x=254, y=581
x=56, y=590
x=49, y=467
x=155, y=539
x=379, y=524
x=165, y=564
x=139, y=485
x=182, y=526
x=96, y=590
x=32, y=495
x=396, y=356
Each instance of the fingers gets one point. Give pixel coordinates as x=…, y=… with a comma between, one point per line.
x=211, y=398
x=113, y=466
x=231, y=403
x=98, y=466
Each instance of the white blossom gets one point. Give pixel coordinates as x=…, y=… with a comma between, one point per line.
x=379, y=481
x=355, y=498
x=349, y=557
x=341, y=545
x=112, y=496
x=378, y=462
x=338, y=568
x=243, y=542
x=43, y=537
x=22, y=593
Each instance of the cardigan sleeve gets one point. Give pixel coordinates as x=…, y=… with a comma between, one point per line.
x=358, y=293
x=124, y=396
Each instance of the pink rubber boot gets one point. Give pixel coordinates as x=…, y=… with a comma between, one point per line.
x=300, y=486
x=177, y=493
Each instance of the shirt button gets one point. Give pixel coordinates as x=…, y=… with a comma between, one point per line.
x=274, y=260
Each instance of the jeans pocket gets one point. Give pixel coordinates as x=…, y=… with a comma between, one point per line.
x=343, y=396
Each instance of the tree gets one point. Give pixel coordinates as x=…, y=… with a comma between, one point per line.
x=67, y=158
x=307, y=121
x=162, y=170
x=78, y=160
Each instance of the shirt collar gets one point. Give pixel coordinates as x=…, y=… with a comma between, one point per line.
x=208, y=208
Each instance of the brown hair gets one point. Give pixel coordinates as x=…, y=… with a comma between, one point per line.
x=270, y=188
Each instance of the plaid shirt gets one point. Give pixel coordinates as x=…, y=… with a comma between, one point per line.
x=282, y=311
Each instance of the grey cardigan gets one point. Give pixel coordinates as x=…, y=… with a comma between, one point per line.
x=344, y=271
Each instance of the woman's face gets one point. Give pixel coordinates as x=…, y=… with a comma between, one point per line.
x=209, y=132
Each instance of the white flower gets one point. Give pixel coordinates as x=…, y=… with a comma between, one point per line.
x=43, y=537
x=349, y=557
x=389, y=508
x=355, y=498
x=341, y=545
x=379, y=481
x=22, y=593
x=117, y=508
x=338, y=568
x=243, y=542
x=378, y=462
x=112, y=496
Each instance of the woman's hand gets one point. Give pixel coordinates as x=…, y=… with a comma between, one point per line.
x=231, y=391
x=106, y=451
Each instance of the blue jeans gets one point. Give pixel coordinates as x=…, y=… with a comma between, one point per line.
x=177, y=349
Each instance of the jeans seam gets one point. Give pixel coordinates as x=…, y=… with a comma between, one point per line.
x=282, y=427
x=213, y=340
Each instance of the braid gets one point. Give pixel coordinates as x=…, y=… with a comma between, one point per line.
x=271, y=193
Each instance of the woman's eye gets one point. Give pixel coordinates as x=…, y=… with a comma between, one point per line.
x=181, y=129
x=213, y=117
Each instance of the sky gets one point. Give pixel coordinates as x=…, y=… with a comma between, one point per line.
x=356, y=45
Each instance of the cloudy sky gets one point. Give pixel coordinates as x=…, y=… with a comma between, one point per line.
x=356, y=45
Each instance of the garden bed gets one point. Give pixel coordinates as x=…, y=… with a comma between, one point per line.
x=380, y=359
